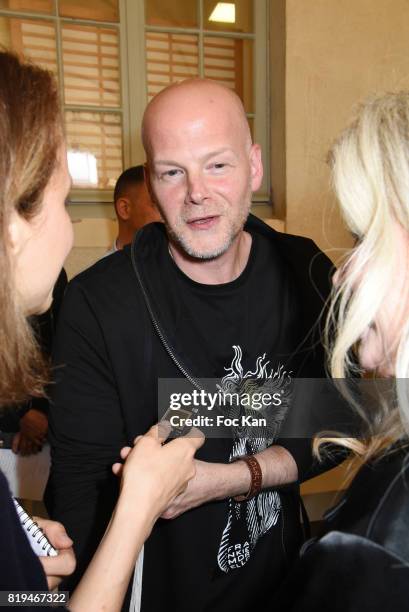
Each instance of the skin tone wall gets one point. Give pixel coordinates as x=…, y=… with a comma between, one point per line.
x=336, y=54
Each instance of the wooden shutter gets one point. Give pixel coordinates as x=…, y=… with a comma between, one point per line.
x=170, y=58
x=223, y=62
x=91, y=65
x=35, y=39
x=174, y=57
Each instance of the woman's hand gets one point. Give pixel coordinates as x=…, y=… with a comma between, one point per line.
x=157, y=473
x=57, y=568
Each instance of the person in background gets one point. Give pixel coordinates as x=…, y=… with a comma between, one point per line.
x=35, y=238
x=133, y=206
x=24, y=429
x=362, y=563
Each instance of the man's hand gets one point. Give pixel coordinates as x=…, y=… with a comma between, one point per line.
x=212, y=481
x=32, y=434
x=57, y=568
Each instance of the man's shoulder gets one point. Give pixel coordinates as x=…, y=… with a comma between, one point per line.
x=292, y=245
x=114, y=268
x=108, y=289
x=307, y=264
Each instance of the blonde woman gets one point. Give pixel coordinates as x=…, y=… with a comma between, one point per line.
x=35, y=238
x=363, y=561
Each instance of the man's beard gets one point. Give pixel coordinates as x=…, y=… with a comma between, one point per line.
x=203, y=255
x=187, y=247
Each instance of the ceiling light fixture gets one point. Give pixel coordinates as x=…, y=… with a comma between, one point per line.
x=224, y=12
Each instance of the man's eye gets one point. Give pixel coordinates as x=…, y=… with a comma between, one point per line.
x=218, y=167
x=172, y=173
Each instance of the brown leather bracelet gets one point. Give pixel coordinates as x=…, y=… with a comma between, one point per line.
x=256, y=478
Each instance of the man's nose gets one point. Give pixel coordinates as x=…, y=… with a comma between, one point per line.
x=197, y=191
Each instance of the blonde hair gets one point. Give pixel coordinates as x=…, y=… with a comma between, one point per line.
x=370, y=173
x=30, y=135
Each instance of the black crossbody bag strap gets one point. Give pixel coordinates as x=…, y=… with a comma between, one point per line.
x=159, y=330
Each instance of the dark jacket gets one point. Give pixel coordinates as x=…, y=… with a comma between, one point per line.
x=362, y=563
x=109, y=359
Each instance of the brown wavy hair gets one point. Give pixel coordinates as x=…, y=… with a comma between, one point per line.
x=30, y=136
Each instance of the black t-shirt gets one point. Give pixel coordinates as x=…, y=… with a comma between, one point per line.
x=255, y=312
x=241, y=331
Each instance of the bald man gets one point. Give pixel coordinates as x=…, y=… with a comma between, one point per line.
x=212, y=294
x=133, y=206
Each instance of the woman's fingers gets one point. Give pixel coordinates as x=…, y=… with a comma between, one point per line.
x=55, y=532
x=160, y=431
x=125, y=451
x=59, y=567
x=117, y=468
x=63, y=564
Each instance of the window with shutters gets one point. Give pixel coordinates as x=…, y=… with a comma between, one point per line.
x=110, y=57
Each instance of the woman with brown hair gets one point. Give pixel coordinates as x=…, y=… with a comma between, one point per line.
x=36, y=236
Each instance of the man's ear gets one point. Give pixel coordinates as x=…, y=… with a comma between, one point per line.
x=256, y=167
x=123, y=208
x=19, y=231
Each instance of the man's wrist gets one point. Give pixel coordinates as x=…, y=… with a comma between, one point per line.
x=234, y=479
x=278, y=466
x=256, y=478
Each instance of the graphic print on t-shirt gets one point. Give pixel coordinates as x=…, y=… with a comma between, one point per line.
x=249, y=520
